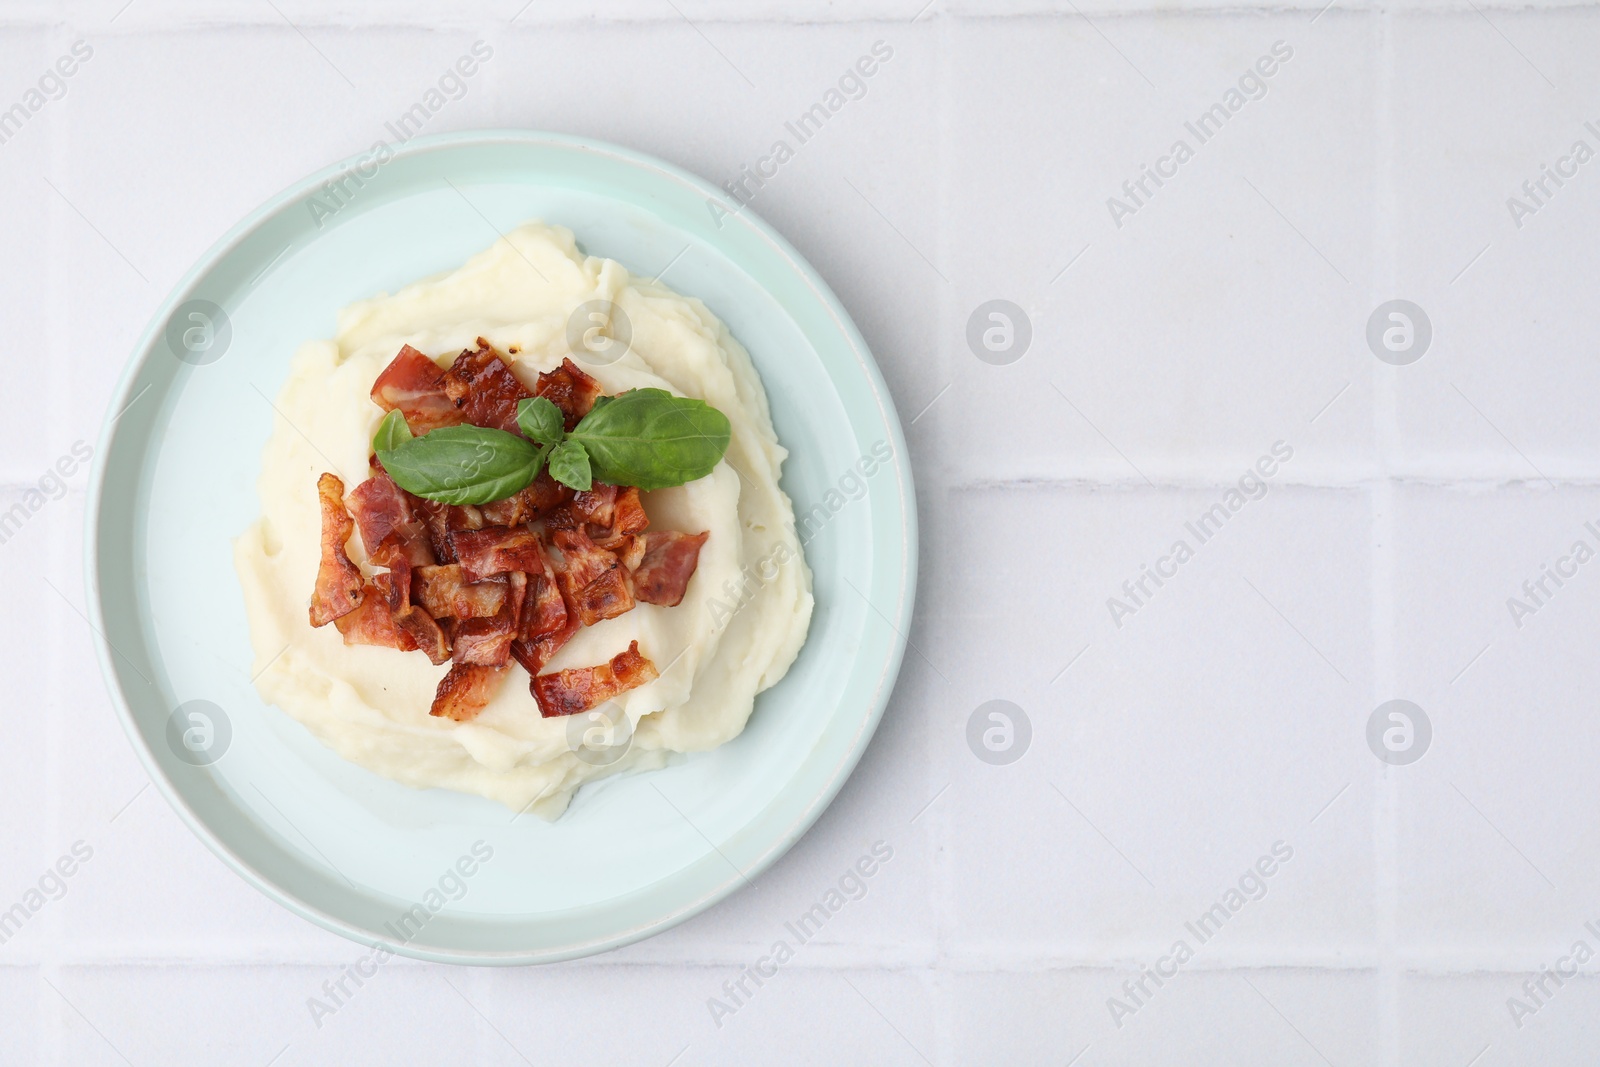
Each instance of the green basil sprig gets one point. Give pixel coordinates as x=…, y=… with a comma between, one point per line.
x=651, y=439
x=645, y=437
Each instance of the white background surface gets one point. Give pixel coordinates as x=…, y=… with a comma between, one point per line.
x=1168, y=354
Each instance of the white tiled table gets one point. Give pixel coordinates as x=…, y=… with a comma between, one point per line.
x=1226, y=714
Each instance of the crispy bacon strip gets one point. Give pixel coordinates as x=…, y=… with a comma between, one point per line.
x=544, y=611
x=628, y=517
x=591, y=578
x=596, y=505
x=372, y=623
x=569, y=389
x=496, y=550
x=484, y=388
x=534, y=653
x=414, y=384
x=338, y=588
x=628, y=548
x=514, y=510
x=517, y=586
x=383, y=510
x=488, y=641
x=443, y=519
x=444, y=592
x=402, y=560
x=395, y=586
x=426, y=632
x=578, y=689
x=670, y=559
x=544, y=497
x=547, y=622
x=547, y=493
x=466, y=690
x=581, y=560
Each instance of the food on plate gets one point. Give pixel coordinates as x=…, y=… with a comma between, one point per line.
x=503, y=536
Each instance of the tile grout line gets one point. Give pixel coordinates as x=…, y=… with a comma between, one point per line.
x=1385, y=425
x=627, y=16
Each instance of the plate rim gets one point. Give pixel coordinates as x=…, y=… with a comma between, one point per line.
x=899, y=619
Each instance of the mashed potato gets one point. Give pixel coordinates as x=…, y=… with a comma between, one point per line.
x=738, y=629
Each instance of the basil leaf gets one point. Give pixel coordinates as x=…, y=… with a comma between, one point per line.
x=652, y=439
x=464, y=464
x=392, y=432
x=569, y=465
x=540, y=420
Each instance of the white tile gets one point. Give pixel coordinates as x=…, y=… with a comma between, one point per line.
x=1448, y=1019
x=831, y=1017
x=29, y=443
x=1181, y=746
x=32, y=629
x=1205, y=326
x=19, y=1038
x=1476, y=828
x=252, y=1014
x=1198, y=1016
x=1503, y=389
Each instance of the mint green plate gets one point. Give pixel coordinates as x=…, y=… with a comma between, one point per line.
x=355, y=852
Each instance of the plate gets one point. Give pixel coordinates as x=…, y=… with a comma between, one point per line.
x=434, y=874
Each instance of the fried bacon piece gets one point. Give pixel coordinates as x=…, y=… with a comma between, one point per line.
x=628, y=548
x=444, y=592
x=400, y=557
x=426, y=632
x=517, y=585
x=415, y=385
x=496, y=550
x=592, y=506
x=436, y=520
x=607, y=510
x=443, y=519
x=544, y=610
x=627, y=516
x=582, y=561
x=479, y=388
x=546, y=493
x=534, y=653
x=546, y=623
x=595, y=505
x=338, y=588
x=578, y=689
x=670, y=559
x=372, y=623
x=466, y=690
x=484, y=388
x=622, y=537
x=604, y=598
x=541, y=499
x=383, y=511
x=488, y=641
x=569, y=389
x=591, y=578
x=379, y=506
x=395, y=587
x=514, y=510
